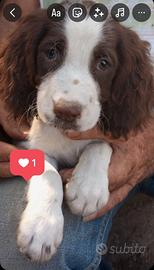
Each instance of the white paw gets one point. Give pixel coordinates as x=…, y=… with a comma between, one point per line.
x=86, y=193
x=39, y=235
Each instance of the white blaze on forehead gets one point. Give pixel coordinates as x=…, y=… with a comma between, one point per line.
x=82, y=38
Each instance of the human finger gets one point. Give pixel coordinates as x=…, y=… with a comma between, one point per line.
x=66, y=175
x=5, y=169
x=5, y=150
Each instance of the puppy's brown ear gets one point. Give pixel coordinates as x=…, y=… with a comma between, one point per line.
x=18, y=64
x=132, y=90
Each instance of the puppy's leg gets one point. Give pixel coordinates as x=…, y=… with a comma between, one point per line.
x=41, y=227
x=88, y=190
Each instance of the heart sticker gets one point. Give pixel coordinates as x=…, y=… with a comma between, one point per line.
x=23, y=162
x=27, y=163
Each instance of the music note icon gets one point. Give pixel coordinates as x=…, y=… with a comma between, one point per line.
x=120, y=13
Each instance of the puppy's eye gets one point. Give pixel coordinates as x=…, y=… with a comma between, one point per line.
x=52, y=54
x=103, y=64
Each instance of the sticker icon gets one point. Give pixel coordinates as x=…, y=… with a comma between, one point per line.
x=77, y=12
x=27, y=163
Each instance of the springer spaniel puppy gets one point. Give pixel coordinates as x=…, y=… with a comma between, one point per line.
x=72, y=76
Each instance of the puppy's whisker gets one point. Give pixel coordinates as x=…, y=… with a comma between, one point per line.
x=29, y=114
x=101, y=123
x=20, y=120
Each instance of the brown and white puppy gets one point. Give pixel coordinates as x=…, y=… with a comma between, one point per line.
x=73, y=76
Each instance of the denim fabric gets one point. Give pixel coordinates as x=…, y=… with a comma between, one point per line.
x=78, y=250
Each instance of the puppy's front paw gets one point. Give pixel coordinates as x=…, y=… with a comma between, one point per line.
x=39, y=235
x=86, y=193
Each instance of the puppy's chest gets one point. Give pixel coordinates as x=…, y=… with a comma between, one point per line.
x=55, y=144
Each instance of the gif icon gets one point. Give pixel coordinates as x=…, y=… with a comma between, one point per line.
x=56, y=12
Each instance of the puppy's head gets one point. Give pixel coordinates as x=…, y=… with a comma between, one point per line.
x=78, y=74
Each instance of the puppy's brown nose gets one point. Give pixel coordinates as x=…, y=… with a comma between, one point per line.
x=67, y=111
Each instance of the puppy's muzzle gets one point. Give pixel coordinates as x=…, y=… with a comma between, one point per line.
x=67, y=111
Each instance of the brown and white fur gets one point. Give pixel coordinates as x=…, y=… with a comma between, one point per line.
x=75, y=75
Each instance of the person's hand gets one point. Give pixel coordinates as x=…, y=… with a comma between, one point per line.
x=132, y=160
x=15, y=130
x=5, y=150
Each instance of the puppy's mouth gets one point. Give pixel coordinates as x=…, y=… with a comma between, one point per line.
x=60, y=123
x=65, y=124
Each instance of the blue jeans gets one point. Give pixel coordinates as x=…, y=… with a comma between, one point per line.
x=78, y=250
